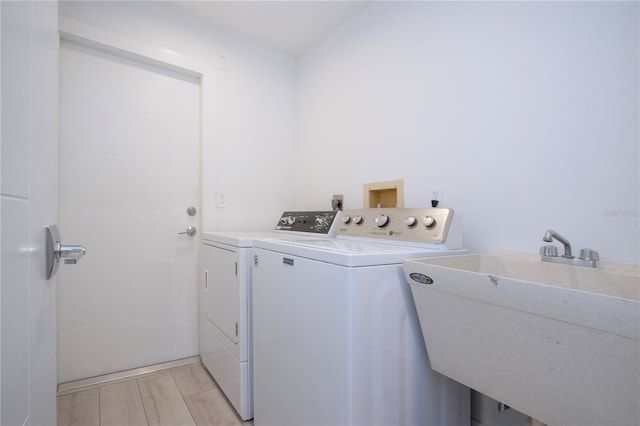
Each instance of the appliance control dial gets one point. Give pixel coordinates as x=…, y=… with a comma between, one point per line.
x=346, y=218
x=321, y=221
x=357, y=219
x=429, y=221
x=410, y=221
x=382, y=220
x=291, y=220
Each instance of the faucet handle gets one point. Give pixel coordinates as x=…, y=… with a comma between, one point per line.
x=549, y=250
x=589, y=254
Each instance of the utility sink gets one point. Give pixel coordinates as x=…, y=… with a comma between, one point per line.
x=559, y=343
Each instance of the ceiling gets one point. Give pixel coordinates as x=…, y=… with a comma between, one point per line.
x=290, y=26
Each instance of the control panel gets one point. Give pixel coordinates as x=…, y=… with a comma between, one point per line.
x=422, y=225
x=314, y=222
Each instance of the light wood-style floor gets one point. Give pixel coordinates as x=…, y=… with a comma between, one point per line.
x=185, y=395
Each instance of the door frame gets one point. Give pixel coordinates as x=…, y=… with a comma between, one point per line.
x=100, y=39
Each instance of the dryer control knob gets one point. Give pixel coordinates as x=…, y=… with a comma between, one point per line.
x=357, y=219
x=321, y=221
x=382, y=220
x=291, y=220
x=429, y=221
x=346, y=218
x=410, y=221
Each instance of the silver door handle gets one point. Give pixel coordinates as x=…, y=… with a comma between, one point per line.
x=191, y=231
x=71, y=253
x=55, y=250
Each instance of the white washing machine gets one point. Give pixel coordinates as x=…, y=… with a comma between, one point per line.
x=225, y=300
x=336, y=338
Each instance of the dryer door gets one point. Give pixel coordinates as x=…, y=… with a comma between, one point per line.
x=220, y=293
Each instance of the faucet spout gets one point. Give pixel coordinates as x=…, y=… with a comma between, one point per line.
x=588, y=257
x=550, y=235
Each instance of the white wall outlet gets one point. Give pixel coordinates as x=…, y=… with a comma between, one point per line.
x=435, y=193
x=221, y=202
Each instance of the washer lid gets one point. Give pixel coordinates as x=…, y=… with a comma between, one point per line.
x=349, y=252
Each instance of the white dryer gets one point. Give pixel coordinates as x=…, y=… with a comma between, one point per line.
x=225, y=300
x=336, y=335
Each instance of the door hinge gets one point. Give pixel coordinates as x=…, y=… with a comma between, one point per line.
x=236, y=329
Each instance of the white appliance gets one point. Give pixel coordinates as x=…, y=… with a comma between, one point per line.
x=225, y=301
x=335, y=332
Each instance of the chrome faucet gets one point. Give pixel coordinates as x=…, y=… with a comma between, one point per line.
x=588, y=257
x=551, y=234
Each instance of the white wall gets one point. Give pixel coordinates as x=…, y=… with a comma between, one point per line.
x=525, y=113
x=248, y=109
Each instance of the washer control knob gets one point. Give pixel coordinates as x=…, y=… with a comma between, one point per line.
x=382, y=220
x=346, y=218
x=428, y=221
x=321, y=221
x=410, y=221
x=291, y=220
x=357, y=219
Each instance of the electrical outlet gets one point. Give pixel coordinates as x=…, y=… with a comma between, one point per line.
x=337, y=202
x=221, y=202
x=435, y=193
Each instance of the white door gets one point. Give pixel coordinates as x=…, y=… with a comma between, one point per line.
x=29, y=203
x=129, y=170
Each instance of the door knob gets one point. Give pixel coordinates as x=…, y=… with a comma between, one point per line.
x=191, y=231
x=55, y=250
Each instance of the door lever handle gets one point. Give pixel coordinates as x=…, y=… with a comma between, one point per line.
x=191, y=231
x=55, y=251
x=71, y=253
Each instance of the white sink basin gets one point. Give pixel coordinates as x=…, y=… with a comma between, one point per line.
x=559, y=343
